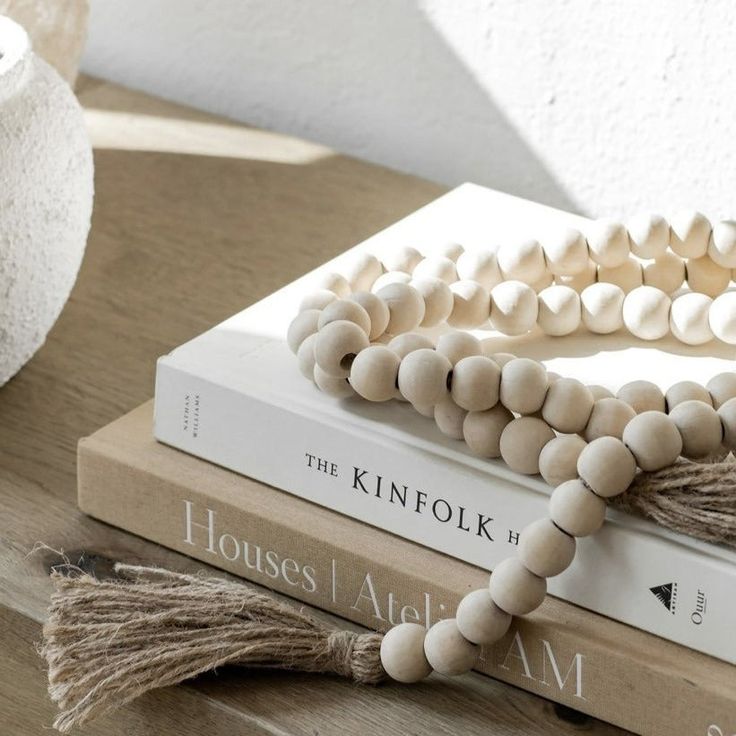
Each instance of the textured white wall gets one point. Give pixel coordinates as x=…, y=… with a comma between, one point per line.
x=604, y=108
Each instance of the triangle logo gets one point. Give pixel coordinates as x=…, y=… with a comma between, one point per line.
x=666, y=594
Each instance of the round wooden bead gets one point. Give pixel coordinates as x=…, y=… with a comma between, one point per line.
x=567, y=406
x=544, y=549
x=513, y=308
x=479, y=619
x=722, y=388
x=689, y=234
x=480, y=266
x=348, y=310
x=682, y=391
x=653, y=439
x=390, y=277
x=305, y=357
x=402, y=653
x=706, y=276
x=361, y=271
x=558, y=460
x=607, y=466
x=699, y=426
x=627, y=276
x=458, y=345
x=524, y=385
x=482, y=430
x=450, y=418
x=447, y=650
x=722, y=244
x=521, y=261
x=404, y=258
x=608, y=243
x=608, y=419
x=689, y=317
x=722, y=317
x=580, y=280
x=521, y=443
x=576, y=509
x=566, y=252
x=405, y=306
x=376, y=309
x=438, y=299
x=666, y=273
x=559, y=311
x=317, y=300
x=602, y=308
x=515, y=589
x=646, y=313
x=601, y=392
x=437, y=267
x=407, y=343
x=471, y=305
x=423, y=376
x=334, y=282
x=649, y=235
x=727, y=415
x=374, y=372
x=336, y=386
x=336, y=345
x=642, y=396
x=475, y=383
x=305, y=323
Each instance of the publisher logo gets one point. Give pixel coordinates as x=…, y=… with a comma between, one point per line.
x=666, y=594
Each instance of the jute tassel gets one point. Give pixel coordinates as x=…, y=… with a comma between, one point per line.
x=107, y=642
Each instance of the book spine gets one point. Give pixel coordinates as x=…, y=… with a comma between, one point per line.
x=625, y=572
x=587, y=667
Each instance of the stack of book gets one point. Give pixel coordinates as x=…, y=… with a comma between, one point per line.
x=367, y=511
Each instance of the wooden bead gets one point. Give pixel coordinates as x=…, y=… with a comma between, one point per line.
x=336, y=386
x=521, y=261
x=437, y=267
x=305, y=357
x=404, y=258
x=405, y=306
x=425, y=411
x=521, y=443
x=524, y=385
x=700, y=428
x=475, y=383
x=458, y=345
x=515, y=589
x=646, y=313
x=608, y=419
x=653, y=439
x=722, y=317
x=544, y=549
x=581, y=280
x=348, y=310
x=559, y=311
x=608, y=243
x=607, y=466
x=390, y=277
x=334, y=282
x=449, y=249
x=374, y=372
x=722, y=388
x=649, y=235
x=602, y=308
x=302, y=326
x=376, y=309
x=558, y=460
x=627, y=276
x=689, y=234
x=336, y=345
x=479, y=619
x=642, y=396
x=317, y=300
x=689, y=318
x=438, y=300
x=471, y=305
x=423, y=376
x=576, y=509
x=447, y=650
x=706, y=276
x=727, y=415
x=682, y=391
x=407, y=343
x=482, y=430
x=361, y=271
x=566, y=252
x=513, y=308
x=722, y=244
x=567, y=406
x=480, y=266
x=450, y=418
x=601, y=392
x=402, y=653
x=666, y=273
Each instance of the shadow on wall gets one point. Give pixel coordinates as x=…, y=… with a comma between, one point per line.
x=374, y=80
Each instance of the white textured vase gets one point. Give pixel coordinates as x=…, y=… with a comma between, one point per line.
x=46, y=191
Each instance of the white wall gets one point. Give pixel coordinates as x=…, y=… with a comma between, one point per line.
x=605, y=108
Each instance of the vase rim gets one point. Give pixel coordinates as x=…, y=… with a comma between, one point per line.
x=14, y=49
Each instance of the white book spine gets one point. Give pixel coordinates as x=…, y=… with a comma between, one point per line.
x=627, y=571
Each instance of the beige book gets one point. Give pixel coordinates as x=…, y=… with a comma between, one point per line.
x=567, y=654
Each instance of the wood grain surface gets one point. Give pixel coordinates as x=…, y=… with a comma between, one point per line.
x=195, y=218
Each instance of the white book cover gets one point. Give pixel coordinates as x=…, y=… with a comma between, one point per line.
x=235, y=397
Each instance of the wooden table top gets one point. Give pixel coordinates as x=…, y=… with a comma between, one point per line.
x=195, y=217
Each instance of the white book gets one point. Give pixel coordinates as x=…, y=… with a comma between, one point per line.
x=234, y=396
